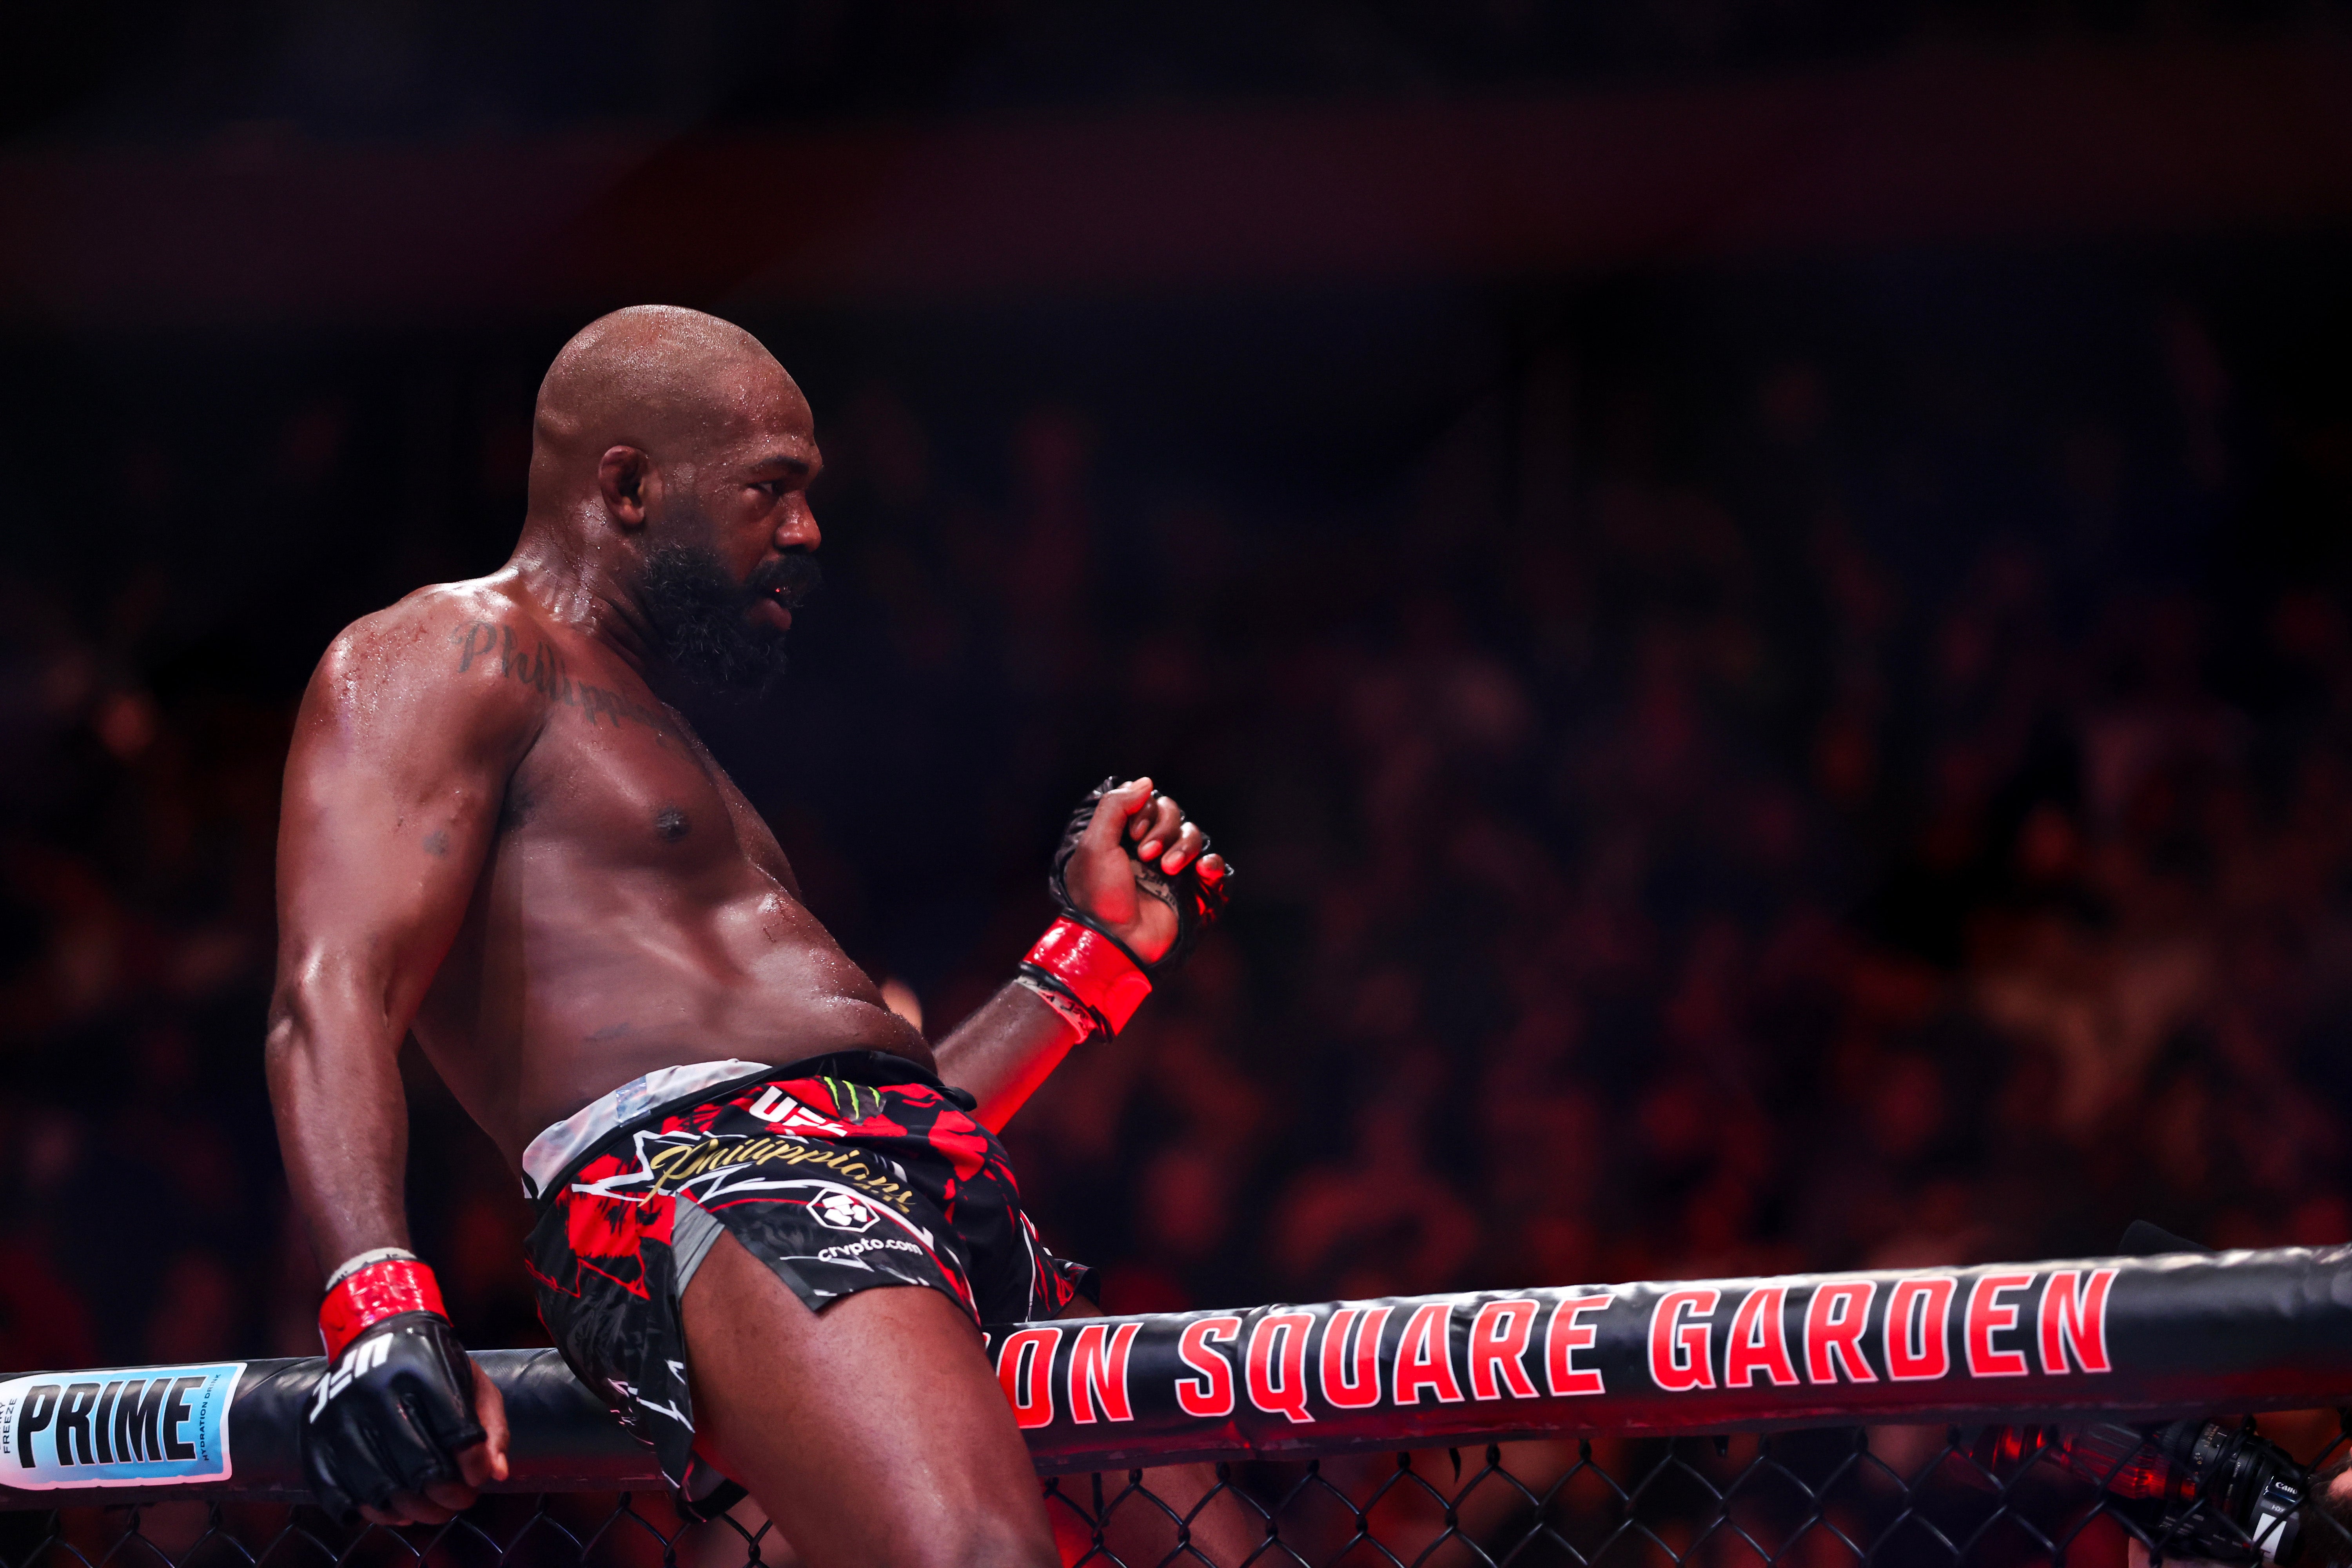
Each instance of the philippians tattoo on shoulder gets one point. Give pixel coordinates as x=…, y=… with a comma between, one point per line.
x=540, y=668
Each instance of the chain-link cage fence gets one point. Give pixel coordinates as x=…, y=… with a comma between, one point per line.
x=1815, y=1498
x=2050, y=1413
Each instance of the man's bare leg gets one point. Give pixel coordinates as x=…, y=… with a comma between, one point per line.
x=873, y=1436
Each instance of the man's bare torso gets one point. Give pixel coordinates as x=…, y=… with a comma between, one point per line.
x=633, y=911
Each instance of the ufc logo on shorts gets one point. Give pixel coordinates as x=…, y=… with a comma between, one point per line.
x=365, y=1358
x=786, y=1114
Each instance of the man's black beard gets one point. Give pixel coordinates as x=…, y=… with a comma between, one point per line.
x=703, y=621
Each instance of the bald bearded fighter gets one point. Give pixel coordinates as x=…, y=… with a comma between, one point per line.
x=499, y=834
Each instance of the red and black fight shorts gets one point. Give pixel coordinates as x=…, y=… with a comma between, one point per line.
x=843, y=1172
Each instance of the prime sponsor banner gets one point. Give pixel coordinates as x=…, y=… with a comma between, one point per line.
x=2220, y=1331
x=564, y=1439
x=135, y=1428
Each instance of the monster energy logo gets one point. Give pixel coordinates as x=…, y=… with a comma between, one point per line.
x=849, y=1100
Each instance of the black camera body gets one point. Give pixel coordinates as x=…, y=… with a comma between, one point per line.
x=2196, y=1488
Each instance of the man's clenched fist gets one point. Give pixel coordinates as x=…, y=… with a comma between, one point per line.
x=1134, y=869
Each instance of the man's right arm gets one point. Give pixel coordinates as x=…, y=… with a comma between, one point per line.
x=394, y=785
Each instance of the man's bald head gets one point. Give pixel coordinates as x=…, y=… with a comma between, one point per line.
x=670, y=463
x=673, y=382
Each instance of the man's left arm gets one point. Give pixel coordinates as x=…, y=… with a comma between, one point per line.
x=1136, y=884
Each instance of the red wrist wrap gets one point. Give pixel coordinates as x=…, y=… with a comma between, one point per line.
x=380, y=1290
x=1094, y=969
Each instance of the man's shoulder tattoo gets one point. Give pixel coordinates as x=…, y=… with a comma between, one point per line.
x=493, y=646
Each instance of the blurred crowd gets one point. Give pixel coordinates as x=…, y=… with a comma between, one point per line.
x=1648, y=878
x=365, y=67
x=1844, y=819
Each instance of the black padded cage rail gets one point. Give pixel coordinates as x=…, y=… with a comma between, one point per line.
x=2045, y=1412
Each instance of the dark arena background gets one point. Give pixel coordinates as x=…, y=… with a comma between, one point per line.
x=1760, y=592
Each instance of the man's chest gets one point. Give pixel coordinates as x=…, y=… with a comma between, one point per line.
x=618, y=776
